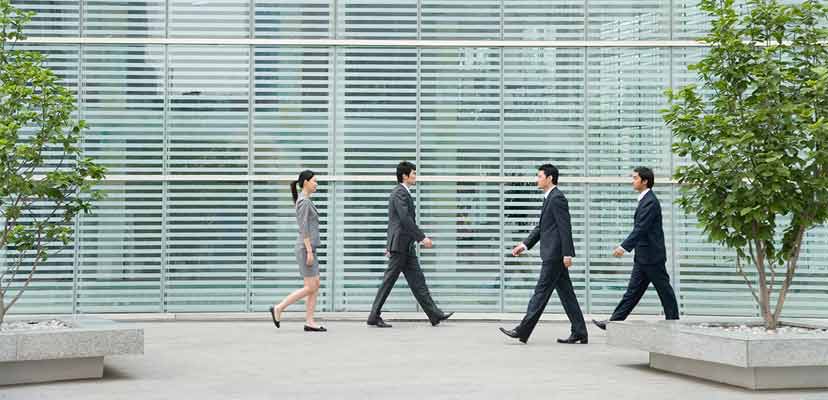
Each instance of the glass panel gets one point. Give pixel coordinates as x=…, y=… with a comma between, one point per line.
x=123, y=103
x=119, y=265
x=293, y=19
x=624, y=98
x=207, y=234
x=463, y=267
x=626, y=20
x=376, y=110
x=292, y=97
x=543, y=110
x=52, y=17
x=209, y=19
x=377, y=19
x=207, y=123
x=460, y=111
x=124, y=18
x=467, y=20
x=543, y=20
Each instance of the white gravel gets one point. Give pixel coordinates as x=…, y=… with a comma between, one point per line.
x=758, y=330
x=51, y=324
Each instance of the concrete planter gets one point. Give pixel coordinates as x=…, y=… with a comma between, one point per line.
x=741, y=359
x=74, y=353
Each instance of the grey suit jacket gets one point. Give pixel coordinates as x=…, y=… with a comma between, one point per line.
x=402, y=228
x=554, y=230
x=307, y=218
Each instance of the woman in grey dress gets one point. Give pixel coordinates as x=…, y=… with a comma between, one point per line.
x=307, y=217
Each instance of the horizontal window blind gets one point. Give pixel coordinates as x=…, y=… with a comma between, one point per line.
x=124, y=104
x=472, y=19
x=120, y=261
x=208, y=118
x=543, y=20
x=464, y=266
x=377, y=19
x=201, y=140
x=53, y=18
x=460, y=111
x=208, y=19
x=625, y=93
x=292, y=19
x=125, y=18
x=292, y=105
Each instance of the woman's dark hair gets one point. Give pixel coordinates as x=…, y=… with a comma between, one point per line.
x=304, y=176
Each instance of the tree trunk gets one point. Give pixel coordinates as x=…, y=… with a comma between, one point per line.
x=764, y=295
x=2, y=308
x=789, y=274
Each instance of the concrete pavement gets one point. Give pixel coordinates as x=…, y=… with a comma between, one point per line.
x=412, y=360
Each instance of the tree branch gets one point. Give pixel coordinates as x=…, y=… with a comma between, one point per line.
x=41, y=252
x=747, y=280
x=789, y=273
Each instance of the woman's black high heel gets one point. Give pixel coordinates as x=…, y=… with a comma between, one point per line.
x=273, y=315
x=309, y=328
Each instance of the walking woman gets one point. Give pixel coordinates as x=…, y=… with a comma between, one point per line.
x=307, y=217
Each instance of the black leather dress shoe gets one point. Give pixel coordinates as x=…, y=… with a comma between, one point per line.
x=379, y=323
x=572, y=339
x=309, y=328
x=600, y=324
x=441, y=319
x=512, y=334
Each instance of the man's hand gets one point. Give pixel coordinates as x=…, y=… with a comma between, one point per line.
x=309, y=261
x=520, y=248
x=427, y=243
x=619, y=251
x=567, y=262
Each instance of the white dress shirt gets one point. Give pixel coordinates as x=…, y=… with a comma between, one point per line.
x=641, y=195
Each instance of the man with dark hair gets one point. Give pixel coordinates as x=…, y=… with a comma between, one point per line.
x=554, y=232
x=403, y=233
x=647, y=239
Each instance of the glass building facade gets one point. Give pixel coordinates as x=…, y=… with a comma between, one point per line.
x=203, y=111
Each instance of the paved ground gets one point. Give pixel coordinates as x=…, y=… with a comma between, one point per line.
x=412, y=360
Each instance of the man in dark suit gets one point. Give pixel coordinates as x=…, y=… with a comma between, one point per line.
x=647, y=239
x=554, y=232
x=403, y=233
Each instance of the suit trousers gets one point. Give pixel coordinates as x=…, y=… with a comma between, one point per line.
x=553, y=276
x=409, y=265
x=642, y=275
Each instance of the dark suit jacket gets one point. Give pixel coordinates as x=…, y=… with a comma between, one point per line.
x=554, y=230
x=647, y=237
x=402, y=228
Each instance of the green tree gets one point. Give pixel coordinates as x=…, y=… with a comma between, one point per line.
x=44, y=179
x=755, y=133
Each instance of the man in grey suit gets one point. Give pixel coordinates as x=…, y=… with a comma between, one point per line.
x=554, y=232
x=403, y=233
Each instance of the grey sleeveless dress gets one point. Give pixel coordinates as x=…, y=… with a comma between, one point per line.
x=307, y=218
